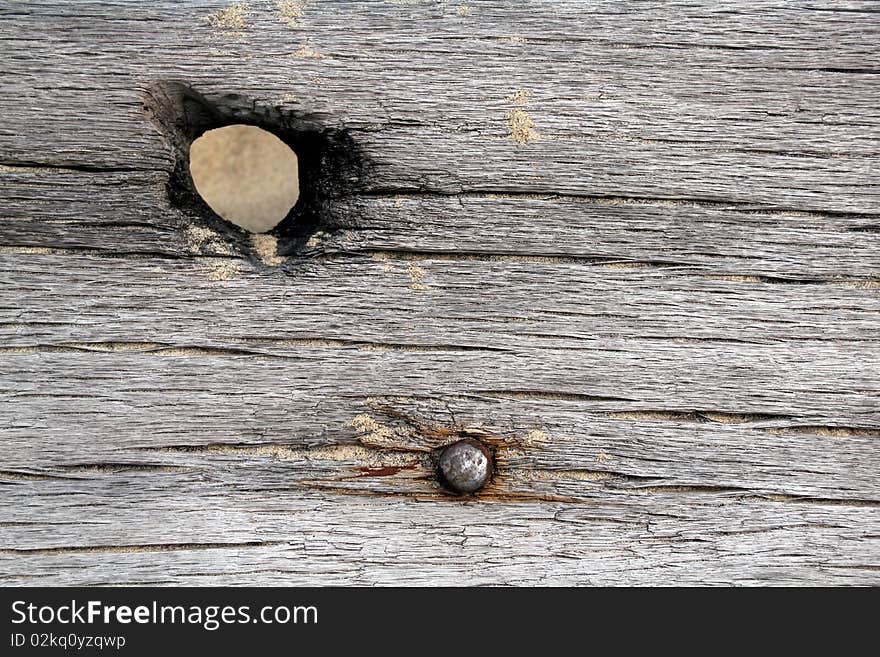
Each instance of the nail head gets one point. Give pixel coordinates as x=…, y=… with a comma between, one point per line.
x=465, y=466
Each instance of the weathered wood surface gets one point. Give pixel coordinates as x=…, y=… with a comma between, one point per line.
x=659, y=301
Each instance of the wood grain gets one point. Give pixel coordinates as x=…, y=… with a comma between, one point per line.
x=635, y=248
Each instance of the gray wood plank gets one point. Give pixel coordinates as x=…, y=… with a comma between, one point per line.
x=633, y=247
x=283, y=537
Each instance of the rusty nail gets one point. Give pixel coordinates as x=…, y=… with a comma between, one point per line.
x=465, y=466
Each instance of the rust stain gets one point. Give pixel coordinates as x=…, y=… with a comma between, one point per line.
x=384, y=471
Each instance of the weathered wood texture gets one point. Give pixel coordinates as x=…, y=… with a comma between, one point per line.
x=634, y=246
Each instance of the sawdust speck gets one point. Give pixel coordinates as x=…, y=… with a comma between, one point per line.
x=865, y=285
x=373, y=432
x=363, y=456
x=563, y=475
x=224, y=271
x=521, y=126
x=305, y=51
x=34, y=169
x=266, y=248
x=603, y=457
x=520, y=97
x=463, y=10
x=290, y=12
x=200, y=239
x=29, y=249
x=738, y=278
x=535, y=438
x=230, y=21
x=114, y=346
x=416, y=278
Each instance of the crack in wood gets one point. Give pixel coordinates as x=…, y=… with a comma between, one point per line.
x=499, y=256
x=31, y=476
x=721, y=417
x=139, y=547
x=610, y=199
x=116, y=468
x=165, y=349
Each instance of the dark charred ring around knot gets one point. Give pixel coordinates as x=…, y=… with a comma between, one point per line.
x=331, y=165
